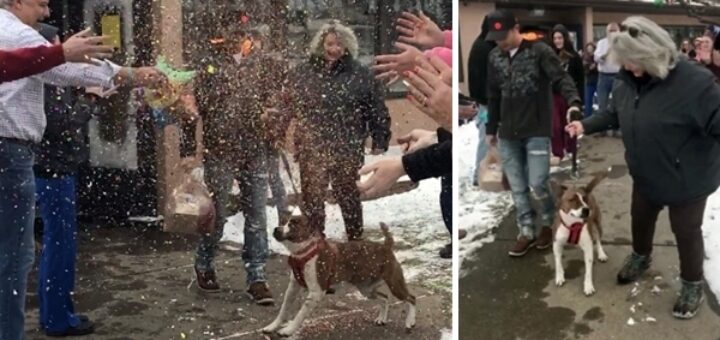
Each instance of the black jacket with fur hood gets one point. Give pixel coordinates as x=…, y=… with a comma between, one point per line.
x=671, y=132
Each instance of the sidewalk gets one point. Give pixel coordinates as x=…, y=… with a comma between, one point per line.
x=135, y=284
x=511, y=298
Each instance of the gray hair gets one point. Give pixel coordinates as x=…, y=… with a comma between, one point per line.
x=345, y=35
x=652, y=49
x=6, y=3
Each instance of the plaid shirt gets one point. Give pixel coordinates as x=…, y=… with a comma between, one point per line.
x=22, y=113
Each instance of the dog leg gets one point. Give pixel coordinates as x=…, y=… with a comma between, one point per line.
x=398, y=287
x=602, y=256
x=290, y=295
x=382, y=318
x=586, y=244
x=315, y=294
x=561, y=236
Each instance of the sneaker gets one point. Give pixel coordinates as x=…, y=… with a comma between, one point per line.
x=635, y=265
x=260, y=293
x=689, y=301
x=207, y=281
x=545, y=239
x=85, y=327
x=446, y=251
x=522, y=246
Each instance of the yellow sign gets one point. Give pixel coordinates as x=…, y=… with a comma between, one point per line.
x=110, y=27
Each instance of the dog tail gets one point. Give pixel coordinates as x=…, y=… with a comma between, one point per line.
x=389, y=242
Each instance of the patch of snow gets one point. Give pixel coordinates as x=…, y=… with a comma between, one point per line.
x=445, y=334
x=711, y=235
x=631, y=322
x=414, y=218
x=479, y=211
x=650, y=319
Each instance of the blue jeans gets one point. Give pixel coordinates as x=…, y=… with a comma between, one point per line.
x=277, y=188
x=17, y=248
x=526, y=164
x=252, y=178
x=482, y=149
x=590, y=90
x=604, y=88
x=56, y=201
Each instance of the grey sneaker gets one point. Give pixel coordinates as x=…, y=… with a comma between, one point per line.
x=689, y=301
x=635, y=265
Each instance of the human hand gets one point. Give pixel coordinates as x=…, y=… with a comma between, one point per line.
x=467, y=111
x=431, y=95
x=384, y=172
x=575, y=128
x=419, y=30
x=417, y=139
x=83, y=47
x=388, y=65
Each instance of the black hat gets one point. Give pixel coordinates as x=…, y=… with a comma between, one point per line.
x=49, y=32
x=501, y=22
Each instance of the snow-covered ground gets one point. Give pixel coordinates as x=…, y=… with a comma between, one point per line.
x=479, y=211
x=711, y=233
x=415, y=221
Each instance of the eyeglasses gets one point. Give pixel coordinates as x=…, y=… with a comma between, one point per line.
x=633, y=31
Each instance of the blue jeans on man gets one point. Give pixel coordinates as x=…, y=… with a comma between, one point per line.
x=17, y=248
x=253, y=182
x=56, y=200
x=526, y=164
x=482, y=147
x=590, y=90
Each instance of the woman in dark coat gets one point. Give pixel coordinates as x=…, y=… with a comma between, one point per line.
x=671, y=133
x=337, y=104
x=573, y=64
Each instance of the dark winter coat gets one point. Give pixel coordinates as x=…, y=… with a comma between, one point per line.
x=671, y=132
x=432, y=161
x=336, y=109
x=64, y=145
x=477, y=65
x=520, y=101
x=231, y=100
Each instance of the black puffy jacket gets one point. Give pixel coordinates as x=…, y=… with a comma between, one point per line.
x=671, y=132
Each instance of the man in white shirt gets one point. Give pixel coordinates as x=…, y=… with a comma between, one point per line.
x=607, y=69
x=22, y=124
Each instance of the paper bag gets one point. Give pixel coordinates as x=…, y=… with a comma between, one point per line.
x=192, y=208
x=491, y=176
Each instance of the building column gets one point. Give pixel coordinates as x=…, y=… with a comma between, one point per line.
x=588, y=24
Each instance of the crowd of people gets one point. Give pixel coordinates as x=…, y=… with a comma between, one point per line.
x=663, y=101
x=246, y=104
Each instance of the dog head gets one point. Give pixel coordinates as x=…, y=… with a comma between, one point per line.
x=573, y=202
x=296, y=232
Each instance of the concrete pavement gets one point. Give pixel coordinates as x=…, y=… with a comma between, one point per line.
x=135, y=284
x=516, y=298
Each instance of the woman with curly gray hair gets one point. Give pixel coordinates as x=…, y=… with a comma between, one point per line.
x=337, y=105
x=669, y=112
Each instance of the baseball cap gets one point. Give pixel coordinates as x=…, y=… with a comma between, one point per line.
x=501, y=22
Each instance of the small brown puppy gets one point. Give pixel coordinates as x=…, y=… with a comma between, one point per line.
x=578, y=222
x=317, y=264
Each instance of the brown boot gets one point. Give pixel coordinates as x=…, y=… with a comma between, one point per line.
x=522, y=246
x=207, y=281
x=260, y=293
x=545, y=239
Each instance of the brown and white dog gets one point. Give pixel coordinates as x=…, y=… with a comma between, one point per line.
x=318, y=264
x=578, y=222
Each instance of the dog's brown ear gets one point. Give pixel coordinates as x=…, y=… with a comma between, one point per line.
x=596, y=180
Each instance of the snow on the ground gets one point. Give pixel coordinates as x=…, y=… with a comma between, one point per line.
x=446, y=334
x=414, y=218
x=711, y=233
x=479, y=211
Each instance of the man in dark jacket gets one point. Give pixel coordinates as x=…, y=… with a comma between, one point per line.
x=62, y=150
x=477, y=84
x=337, y=104
x=521, y=75
x=232, y=96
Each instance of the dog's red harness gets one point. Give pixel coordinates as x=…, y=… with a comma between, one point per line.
x=575, y=231
x=297, y=264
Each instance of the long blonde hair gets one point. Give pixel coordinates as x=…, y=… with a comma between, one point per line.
x=644, y=43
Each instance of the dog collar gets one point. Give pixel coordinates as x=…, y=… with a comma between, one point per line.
x=575, y=231
x=297, y=262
